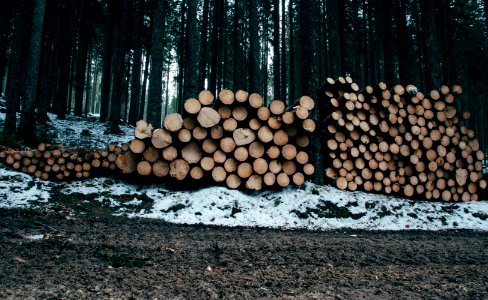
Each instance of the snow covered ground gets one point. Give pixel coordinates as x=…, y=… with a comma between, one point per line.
x=310, y=207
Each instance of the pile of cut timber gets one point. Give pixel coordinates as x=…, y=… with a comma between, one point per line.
x=399, y=141
x=56, y=162
x=233, y=140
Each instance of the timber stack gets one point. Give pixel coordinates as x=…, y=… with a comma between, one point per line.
x=232, y=139
x=399, y=141
x=56, y=162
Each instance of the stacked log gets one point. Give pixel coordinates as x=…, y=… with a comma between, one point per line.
x=399, y=141
x=231, y=139
x=57, y=162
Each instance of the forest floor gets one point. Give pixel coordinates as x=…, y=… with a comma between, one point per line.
x=51, y=255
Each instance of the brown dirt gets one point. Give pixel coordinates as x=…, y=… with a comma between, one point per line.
x=133, y=258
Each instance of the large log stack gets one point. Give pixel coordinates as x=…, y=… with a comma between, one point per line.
x=399, y=141
x=232, y=139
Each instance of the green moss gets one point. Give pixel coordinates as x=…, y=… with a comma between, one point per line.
x=481, y=216
x=384, y=212
x=174, y=208
x=327, y=209
x=370, y=205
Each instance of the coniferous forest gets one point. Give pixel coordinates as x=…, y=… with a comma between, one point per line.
x=126, y=60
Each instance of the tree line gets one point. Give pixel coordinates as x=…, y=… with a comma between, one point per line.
x=140, y=59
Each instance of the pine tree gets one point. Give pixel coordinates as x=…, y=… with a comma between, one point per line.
x=27, y=125
x=155, y=77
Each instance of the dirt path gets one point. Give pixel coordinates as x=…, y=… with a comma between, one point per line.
x=121, y=258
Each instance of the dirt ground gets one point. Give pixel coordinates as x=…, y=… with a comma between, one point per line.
x=132, y=258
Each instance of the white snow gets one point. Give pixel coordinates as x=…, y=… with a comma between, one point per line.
x=311, y=207
x=34, y=237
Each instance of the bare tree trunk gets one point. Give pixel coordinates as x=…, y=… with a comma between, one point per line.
x=276, y=50
x=283, y=51
x=155, y=77
x=191, y=57
x=202, y=64
x=144, y=85
x=264, y=53
x=64, y=53
x=81, y=59
x=291, y=50
x=47, y=64
x=88, y=84
x=389, y=62
x=107, y=64
x=237, y=75
x=309, y=78
x=334, y=38
x=255, y=80
x=431, y=50
x=120, y=65
x=94, y=92
x=27, y=125
x=15, y=69
x=135, y=93
x=181, y=57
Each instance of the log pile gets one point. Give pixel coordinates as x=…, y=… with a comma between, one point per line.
x=399, y=141
x=231, y=139
x=56, y=162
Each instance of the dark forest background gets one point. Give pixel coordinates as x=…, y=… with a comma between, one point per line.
x=127, y=60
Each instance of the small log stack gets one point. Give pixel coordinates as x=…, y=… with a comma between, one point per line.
x=399, y=141
x=56, y=162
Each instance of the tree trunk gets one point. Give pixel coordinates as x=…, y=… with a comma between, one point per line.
x=47, y=65
x=181, y=57
x=191, y=57
x=342, y=37
x=237, y=76
x=334, y=39
x=389, y=62
x=107, y=63
x=264, y=53
x=443, y=21
x=81, y=57
x=135, y=86
x=431, y=49
x=144, y=85
x=283, y=51
x=216, y=51
x=64, y=54
x=291, y=51
x=202, y=63
x=485, y=6
x=255, y=80
x=309, y=78
x=27, y=125
x=93, y=100
x=88, y=84
x=155, y=77
x=403, y=43
x=15, y=69
x=276, y=51
x=120, y=66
